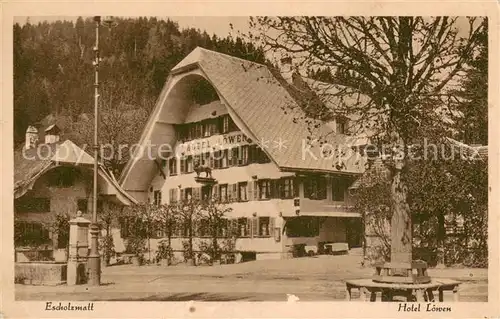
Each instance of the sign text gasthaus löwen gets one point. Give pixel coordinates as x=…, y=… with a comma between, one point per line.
x=213, y=143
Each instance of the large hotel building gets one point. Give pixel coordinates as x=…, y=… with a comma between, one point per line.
x=242, y=120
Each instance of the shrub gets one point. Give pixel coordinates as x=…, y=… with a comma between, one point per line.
x=164, y=251
x=136, y=246
x=108, y=247
x=186, y=250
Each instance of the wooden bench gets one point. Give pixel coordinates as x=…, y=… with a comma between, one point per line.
x=336, y=248
x=412, y=292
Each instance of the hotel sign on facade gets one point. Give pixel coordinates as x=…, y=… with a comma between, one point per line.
x=213, y=144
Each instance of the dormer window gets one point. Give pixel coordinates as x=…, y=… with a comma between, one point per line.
x=341, y=125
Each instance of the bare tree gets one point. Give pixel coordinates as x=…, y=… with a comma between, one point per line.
x=215, y=211
x=166, y=216
x=120, y=124
x=190, y=211
x=391, y=75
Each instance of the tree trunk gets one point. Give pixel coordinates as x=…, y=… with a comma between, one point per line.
x=363, y=231
x=169, y=236
x=401, y=227
x=190, y=253
x=214, y=244
x=441, y=233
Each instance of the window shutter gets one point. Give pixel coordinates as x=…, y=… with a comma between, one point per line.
x=183, y=165
x=233, y=227
x=255, y=226
x=248, y=226
x=271, y=226
x=250, y=191
x=275, y=183
x=183, y=194
x=295, y=187
x=211, y=161
x=255, y=186
x=171, y=195
x=215, y=192
x=234, y=192
x=229, y=191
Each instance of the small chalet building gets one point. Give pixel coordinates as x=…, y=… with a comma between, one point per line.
x=236, y=117
x=54, y=178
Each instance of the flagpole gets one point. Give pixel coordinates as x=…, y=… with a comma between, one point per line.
x=94, y=262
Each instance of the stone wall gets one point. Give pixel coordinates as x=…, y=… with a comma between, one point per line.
x=40, y=273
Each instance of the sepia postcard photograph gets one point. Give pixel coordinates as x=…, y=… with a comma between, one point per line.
x=163, y=161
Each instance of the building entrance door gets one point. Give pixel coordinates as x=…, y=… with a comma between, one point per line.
x=354, y=232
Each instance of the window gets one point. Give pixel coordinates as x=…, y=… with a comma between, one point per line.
x=265, y=189
x=223, y=193
x=243, y=227
x=210, y=128
x=338, y=189
x=191, y=129
x=188, y=193
x=217, y=158
x=233, y=156
x=225, y=123
x=264, y=226
x=200, y=159
x=288, y=188
x=183, y=165
x=224, y=159
x=243, y=191
x=157, y=198
x=243, y=156
x=62, y=177
x=198, y=130
x=32, y=205
x=172, y=166
x=82, y=204
x=172, y=195
x=315, y=188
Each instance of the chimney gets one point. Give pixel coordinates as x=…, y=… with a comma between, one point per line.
x=31, y=137
x=52, y=134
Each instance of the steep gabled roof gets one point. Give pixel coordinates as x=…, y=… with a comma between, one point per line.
x=30, y=164
x=256, y=98
x=269, y=111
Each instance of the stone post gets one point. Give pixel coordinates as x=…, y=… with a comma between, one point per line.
x=78, y=250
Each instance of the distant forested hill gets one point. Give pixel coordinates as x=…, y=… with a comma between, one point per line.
x=54, y=75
